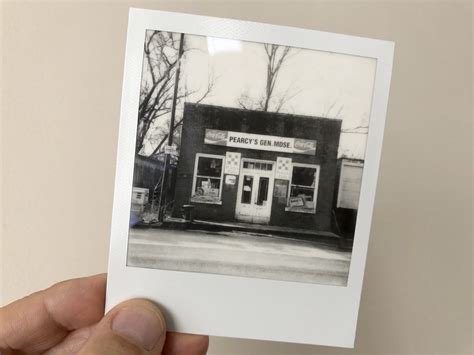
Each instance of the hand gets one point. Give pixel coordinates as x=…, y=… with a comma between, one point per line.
x=68, y=318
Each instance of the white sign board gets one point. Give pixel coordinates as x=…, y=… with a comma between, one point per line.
x=230, y=179
x=232, y=163
x=171, y=149
x=283, y=168
x=260, y=142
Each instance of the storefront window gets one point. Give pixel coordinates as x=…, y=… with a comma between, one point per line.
x=303, y=189
x=207, y=179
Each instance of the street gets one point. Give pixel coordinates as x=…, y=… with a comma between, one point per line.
x=238, y=254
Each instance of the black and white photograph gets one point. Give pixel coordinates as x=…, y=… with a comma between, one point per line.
x=247, y=162
x=248, y=158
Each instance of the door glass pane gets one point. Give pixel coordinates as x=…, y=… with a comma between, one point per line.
x=247, y=189
x=262, y=191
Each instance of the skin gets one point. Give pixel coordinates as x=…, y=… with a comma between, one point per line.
x=68, y=318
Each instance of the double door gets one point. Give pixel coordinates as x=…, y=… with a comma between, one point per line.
x=254, y=196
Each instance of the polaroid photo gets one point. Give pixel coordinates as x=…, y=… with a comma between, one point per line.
x=246, y=172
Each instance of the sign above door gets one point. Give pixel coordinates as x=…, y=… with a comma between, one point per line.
x=260, y=142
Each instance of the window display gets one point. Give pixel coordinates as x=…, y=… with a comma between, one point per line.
x=207, y=179
x=303, y=189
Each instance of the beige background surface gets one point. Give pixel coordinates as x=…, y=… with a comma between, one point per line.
x=61, y=83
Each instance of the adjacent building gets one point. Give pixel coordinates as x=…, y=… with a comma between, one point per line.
x=349, y=182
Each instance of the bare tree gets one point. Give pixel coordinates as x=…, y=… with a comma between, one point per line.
x=270, y=100
x=333, y=110
x=160, y=61
x=275, y=60
x=161, y=58
x=164, y=133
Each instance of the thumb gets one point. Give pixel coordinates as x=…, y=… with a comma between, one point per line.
x=133, y=327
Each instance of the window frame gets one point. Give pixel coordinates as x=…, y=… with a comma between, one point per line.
x=195, y=176
x=260, y=171
x=316, y=187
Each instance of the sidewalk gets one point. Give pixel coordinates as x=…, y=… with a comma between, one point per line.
x=322, y=237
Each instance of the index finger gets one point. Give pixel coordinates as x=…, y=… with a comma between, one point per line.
x=43, y=319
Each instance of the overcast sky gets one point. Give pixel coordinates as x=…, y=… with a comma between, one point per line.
x=319, y=83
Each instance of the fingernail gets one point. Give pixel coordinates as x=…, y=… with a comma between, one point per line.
x=143, y=327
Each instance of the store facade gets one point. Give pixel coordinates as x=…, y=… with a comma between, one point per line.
x=257, y=167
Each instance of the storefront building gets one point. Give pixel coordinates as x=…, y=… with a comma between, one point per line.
x=257, y=167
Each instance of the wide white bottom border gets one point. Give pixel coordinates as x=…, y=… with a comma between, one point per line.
x=242, y=307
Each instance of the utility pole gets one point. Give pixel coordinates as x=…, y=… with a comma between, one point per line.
x=175, y=94
x=164, y=181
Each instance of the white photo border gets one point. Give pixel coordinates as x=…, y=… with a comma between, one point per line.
x=232, y=306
